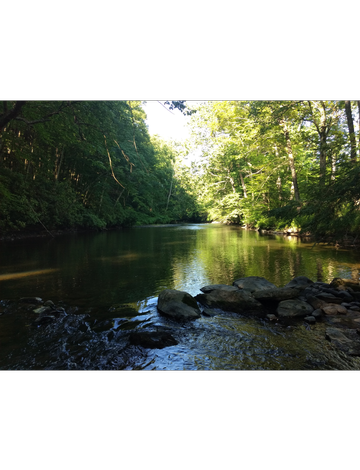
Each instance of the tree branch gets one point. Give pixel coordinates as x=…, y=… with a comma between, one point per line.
x=10, y=115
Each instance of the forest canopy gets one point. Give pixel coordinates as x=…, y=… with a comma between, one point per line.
x=285, y=165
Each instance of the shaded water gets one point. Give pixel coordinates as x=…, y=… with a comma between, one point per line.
x=97, y=272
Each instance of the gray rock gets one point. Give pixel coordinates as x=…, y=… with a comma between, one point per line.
x=277, y=294
x=41, y=310
x=354, y=307
x=334, y=309
x=342, y=284
x=294, y=308
x=315, y=302
x=49, y=303
x=210, y=312
x=317, y=313
x=334, y=334
x=271, y=316
x=178, y=305
x=310, y=319
x=300, y=281
x=349, y=342
x=44, y=319
x=254, y=283
x=329, y=298
x=230, y=298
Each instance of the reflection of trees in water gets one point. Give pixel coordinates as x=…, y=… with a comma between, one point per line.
x=319, y=268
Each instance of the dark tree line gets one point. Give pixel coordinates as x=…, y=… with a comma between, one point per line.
x=86, y=164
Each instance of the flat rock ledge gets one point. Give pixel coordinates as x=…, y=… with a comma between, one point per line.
x=337, y=304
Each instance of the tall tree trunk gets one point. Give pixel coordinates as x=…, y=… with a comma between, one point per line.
x=333, y=167
x=59, y=160
x=278, y=185
x=291, y=159
x=322, y=131
x=350, y=124
x=242, y=182
x=168, y=199
x=322, y=135
x=232, y=182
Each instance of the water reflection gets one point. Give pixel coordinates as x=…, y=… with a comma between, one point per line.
x=117, y=276
x=133, y=264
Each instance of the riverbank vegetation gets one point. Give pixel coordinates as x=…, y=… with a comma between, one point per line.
x=281, y=165
x=87, y=164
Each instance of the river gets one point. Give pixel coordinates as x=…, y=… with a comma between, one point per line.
x=99, y=273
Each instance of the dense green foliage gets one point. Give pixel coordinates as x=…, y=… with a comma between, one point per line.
x=285, y=165
x=87, y=164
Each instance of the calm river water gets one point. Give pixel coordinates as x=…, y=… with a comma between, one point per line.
x=96, y=272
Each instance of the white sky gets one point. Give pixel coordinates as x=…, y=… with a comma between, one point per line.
x=167, y=124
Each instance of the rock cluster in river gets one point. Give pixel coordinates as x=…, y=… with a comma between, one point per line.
x=337, y=304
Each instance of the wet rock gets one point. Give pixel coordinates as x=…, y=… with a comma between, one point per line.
x=310, y=319
x=317, y=313
x=354, y=307
x=209, y=312
x=300, y=281
x=315, y=302
x=178, y=305
x=44, y=320
x=334, y=309
x=41, y=310
x=231, y=299
x=152, y=339
x=346, y=340
x=329, y=298
x=253, y=283
x=334, y=334
x=294, y=308
x=49, y=303
x=271, y=317
x=345, y=295
x=277, y=294
x=340, y=283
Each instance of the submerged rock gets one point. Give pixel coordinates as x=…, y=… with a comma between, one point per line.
x=152, y=339
x=347, y=340
x=178, y=305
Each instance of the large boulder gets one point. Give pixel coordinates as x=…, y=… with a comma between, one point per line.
x=178, y=305
x=294, y=308
x=230, y=298
x=253, y=283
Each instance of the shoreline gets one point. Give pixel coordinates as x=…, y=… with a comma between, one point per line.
x=348, y=241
